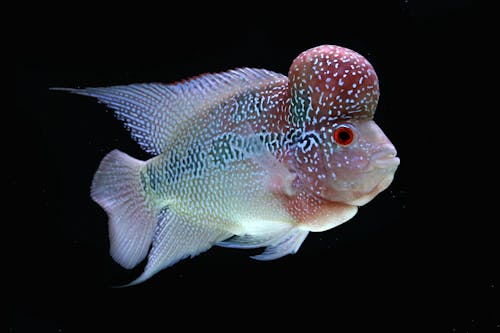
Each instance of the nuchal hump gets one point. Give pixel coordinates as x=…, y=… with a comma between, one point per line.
x=331, y=83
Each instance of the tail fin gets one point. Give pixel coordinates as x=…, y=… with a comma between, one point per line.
x=116, y=188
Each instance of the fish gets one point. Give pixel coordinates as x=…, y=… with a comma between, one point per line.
x=247, y=158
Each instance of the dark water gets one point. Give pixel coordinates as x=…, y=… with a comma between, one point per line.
x=419, y=257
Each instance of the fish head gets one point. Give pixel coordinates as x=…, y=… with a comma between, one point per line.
x=341, y=155
x=357, y=160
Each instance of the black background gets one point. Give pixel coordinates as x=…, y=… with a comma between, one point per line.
x=420, y=257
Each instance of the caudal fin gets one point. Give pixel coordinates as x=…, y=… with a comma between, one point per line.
x=116, y=188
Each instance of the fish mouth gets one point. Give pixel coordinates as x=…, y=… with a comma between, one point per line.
x=385, y=159
x=384, y=164
x=374, y=179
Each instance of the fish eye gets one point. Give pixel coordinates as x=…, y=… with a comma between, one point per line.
x=343, y=135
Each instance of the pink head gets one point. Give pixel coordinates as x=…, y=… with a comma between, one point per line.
x=341, y=155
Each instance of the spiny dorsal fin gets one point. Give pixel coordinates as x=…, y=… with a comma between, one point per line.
x=153, y=111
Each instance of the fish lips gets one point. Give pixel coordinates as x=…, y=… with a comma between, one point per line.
x=383, y=166
x=385, y=159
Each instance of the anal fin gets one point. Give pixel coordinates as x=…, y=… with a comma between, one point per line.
x=177, y=238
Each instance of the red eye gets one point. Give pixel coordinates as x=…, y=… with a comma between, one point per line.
x=343, y=135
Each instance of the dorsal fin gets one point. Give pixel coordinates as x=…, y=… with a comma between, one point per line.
x=152, y=111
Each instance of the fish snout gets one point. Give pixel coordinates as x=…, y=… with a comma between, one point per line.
x=385, y=158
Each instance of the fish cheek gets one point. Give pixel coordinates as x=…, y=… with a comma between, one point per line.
x=347, y=161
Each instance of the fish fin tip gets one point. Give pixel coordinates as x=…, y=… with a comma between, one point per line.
x=116, y=188
x=70, y=90
x=130, y=284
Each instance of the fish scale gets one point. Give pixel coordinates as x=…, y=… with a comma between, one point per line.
x=221, y=148
x=245, y=158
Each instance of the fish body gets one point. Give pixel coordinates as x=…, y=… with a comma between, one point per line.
x=246, y=158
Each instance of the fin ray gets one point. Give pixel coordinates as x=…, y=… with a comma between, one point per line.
x=289, y=243
x=116, y=188
x=248, y=241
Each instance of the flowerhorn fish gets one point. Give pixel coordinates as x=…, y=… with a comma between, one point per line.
x=247, y=158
